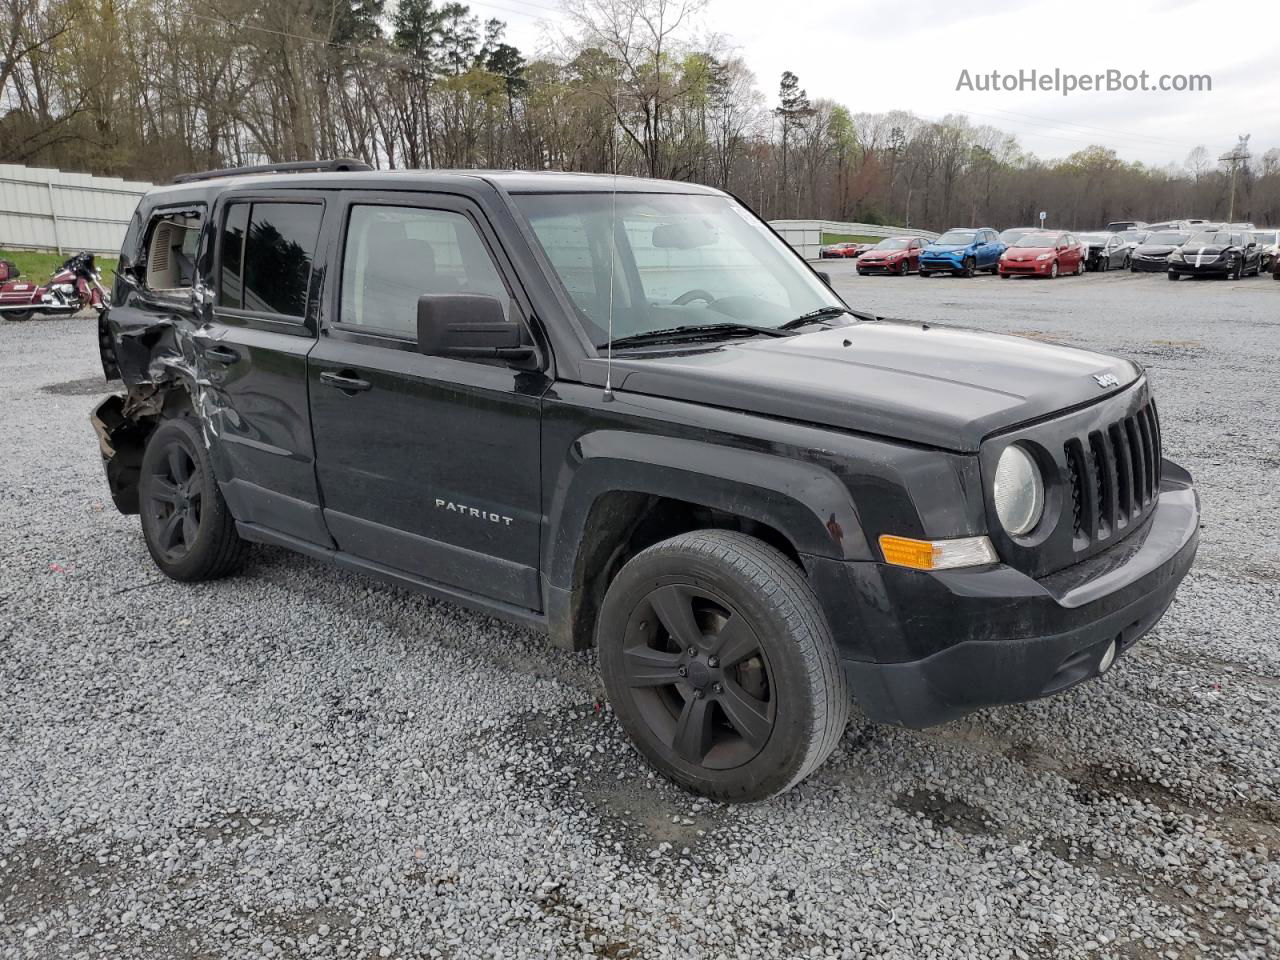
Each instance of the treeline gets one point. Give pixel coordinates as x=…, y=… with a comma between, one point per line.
x=146, y=89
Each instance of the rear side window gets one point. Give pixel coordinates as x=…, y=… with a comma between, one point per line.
x=394, y=255
x=168, y=261
x=267, y=250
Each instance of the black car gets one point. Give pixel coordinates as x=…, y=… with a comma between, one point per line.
x=627, y=414
x=1230, y=254
x=1152, y=255
x=1104, y=251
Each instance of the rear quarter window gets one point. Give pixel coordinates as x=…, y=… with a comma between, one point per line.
x=266, y=254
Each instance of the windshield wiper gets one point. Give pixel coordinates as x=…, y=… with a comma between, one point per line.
x=695, y=331
x=821, y=314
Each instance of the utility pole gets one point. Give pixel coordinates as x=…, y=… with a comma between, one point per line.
x=1236, y=157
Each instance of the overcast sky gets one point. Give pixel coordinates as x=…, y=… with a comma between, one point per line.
x=878, y=56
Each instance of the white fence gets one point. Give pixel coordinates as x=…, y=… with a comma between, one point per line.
x=806, y=235
x=44, y=209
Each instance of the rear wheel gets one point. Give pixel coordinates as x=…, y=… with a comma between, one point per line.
x=17, y=316
x=188, y=528
x=720, y=665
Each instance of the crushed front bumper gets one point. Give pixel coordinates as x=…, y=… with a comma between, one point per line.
x=997, y=636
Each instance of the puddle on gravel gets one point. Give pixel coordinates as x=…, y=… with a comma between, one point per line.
x=583, y=751
x=945, y=811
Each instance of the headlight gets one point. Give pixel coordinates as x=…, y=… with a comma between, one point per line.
x=1018, y=491
x=1045, y=256
x=1176, y=255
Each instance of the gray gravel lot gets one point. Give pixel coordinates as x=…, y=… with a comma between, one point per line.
x=298, y=762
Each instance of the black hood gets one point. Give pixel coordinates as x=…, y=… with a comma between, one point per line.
x=941, y=387
x=1155, y=249
x=1210, y=250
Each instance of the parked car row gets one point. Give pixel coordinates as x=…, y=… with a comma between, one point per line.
x=1177, y=248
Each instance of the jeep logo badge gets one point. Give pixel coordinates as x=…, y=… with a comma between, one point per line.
x=1107, y=379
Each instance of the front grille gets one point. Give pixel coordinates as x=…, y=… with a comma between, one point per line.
x=1115, y=476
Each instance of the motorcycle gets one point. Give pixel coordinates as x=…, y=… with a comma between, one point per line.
x=76, y=284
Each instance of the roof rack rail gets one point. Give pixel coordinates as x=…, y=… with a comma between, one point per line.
x=300, y=166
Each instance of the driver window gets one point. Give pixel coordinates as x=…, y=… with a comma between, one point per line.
x=394, y=255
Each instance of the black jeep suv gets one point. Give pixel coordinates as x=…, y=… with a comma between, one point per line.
x=626, y=413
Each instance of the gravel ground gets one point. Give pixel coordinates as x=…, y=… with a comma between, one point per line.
x=298, y=762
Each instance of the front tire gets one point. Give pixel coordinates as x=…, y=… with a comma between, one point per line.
x=1053, y=270
x=188, y=528
x=969, y=269
x=720, y=665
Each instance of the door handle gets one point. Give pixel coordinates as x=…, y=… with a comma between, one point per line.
x=346, y=381
x=222, y=354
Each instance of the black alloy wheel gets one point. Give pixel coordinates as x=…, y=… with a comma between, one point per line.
x=189, y=530
x=969, y=269
x=699, y=676
x=174, y=502
x=903, y=267
x=720, y=665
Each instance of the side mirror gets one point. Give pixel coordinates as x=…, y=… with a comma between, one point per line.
x=824, y=276
x=467, y=325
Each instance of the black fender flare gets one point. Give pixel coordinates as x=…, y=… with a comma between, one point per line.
x=803, y=501
x=806, y=503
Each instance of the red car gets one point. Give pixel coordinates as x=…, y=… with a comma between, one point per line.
x=900, y=255
x=1042, y=254
x=837, y=251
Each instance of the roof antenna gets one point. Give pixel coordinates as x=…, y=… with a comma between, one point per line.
x=613, y=230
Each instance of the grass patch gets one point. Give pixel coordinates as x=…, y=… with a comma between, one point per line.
x=848, y=238
x=39, y=266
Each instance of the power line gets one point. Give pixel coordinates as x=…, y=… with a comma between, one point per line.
x=1083, y=126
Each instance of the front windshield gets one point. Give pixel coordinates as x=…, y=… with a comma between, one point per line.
x=1008, y=237
x=1037, y=240
x=1171, y=237
x=1133, y=236
x=681, y=259
x=1095, y=237
x=1209, y=239
x=956, y=238
x=892, y=243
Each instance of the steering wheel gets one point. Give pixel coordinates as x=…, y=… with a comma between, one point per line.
x=690, y=295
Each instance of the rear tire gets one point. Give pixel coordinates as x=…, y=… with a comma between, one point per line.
x=720, y=665
x=188, y=528
x=17, y=316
